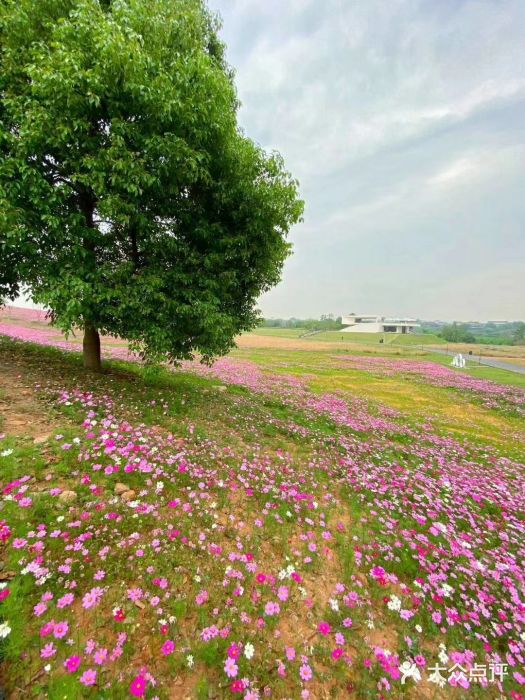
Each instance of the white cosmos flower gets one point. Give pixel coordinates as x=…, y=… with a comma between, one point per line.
x=249, y=650
x=394, y=603
x=5, y=630
x=189, y=661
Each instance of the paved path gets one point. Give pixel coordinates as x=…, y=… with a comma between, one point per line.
x=473, y=359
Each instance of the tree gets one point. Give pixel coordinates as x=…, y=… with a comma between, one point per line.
x=457, y=333
x=131, y=203
x=519, y=333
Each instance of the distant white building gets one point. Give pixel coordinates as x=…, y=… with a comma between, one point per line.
x=370, y=323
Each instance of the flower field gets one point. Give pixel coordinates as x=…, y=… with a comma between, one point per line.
x=244, y=531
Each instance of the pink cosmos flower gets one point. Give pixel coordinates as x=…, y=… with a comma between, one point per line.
x=305, y=672
x=282, y=593
x=60, y=630
x=272, y=608
x=92, y=598
x=100, y=656
x=39, y=609
x=230, y=668
x=290, y=653
x=168, y=647
x=89, y=677
x=47, y=629
x=138, y=686
x=337, y=653
x=65, y=600
x=48, y=651
x=324, y=628
x=201, y=597
x=135, y=594
x=234, y=651
x=72, y=664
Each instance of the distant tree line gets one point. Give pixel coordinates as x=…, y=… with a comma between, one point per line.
x=511, y=333
x=327, y=322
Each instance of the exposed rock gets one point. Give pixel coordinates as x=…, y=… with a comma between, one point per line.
x=40, y=439
x=220, y=387
x=128, y=495
x=67, y=497
x=121, y=488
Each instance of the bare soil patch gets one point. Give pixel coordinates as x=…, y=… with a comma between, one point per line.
x=21, y=413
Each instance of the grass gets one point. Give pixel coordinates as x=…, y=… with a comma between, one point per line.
x=292, y=462
x=501, y=376
x=280, y=332
x=375, y=338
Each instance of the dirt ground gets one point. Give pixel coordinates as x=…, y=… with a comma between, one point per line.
x=20, y=412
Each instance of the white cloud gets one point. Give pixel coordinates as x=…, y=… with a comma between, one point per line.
x=403, y=121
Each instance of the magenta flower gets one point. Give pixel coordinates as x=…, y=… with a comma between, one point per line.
x=72, y=663
x=168, y=647
x=324, y=628
x=138, y=686
x=47, y=629
x=234, y=651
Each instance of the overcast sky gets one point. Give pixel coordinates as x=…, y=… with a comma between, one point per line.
x=404, y=121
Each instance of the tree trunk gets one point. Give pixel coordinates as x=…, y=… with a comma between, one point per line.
x=91, y=348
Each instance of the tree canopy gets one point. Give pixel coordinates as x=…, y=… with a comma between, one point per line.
x=457, y=333
x=131, y=203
